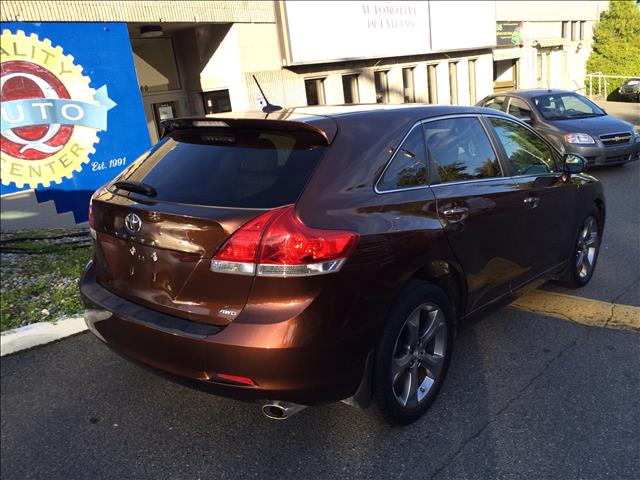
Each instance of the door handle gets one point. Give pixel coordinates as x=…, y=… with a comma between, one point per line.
x=531, y=202
x=450, y=212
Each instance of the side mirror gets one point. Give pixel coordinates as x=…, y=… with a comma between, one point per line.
x=526, y=119
x=574, y=163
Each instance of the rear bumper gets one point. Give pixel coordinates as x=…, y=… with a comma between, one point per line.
x=193, y=353
x=599, y=154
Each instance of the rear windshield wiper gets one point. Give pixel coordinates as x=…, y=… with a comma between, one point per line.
x=137, y=187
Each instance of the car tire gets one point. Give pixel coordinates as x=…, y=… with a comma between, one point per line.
x=413, y=353
x=584, y=254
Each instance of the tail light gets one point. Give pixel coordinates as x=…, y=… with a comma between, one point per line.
x=278, y=244
x=92, y=221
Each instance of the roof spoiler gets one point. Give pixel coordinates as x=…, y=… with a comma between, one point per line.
x=324, y=127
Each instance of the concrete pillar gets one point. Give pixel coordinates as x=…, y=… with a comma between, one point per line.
x=442, y=75
x=463, y=82
x=366, y=86
x=394, y=79
x=484, y=76
x=333, y=93
x=420, y=83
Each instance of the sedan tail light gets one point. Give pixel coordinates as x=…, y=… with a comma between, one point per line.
x=278, y=244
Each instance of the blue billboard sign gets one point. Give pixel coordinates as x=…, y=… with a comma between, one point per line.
x=72, y=114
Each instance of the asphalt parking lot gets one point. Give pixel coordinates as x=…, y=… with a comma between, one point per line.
x=528, y=396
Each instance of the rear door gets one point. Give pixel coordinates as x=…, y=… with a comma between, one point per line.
x=547, y=197
x=156, y=249
x=477, y=206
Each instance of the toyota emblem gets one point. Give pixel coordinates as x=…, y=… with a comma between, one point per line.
x=133, y=223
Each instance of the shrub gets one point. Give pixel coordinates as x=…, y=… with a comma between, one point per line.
x=616, y=45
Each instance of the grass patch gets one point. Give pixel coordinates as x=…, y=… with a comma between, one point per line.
x=40, y=286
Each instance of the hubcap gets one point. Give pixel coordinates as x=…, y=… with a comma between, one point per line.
x=587, y=247
x=418, y=356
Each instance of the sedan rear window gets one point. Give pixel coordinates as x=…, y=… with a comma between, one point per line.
x=243, y=169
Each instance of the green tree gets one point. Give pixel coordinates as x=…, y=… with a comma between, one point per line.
x=616, y=43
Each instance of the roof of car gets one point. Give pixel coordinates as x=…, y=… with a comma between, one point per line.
x=532, y=92
x=325, y=119
x=307, y=112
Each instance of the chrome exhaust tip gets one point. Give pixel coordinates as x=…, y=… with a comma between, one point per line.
x=279, y=410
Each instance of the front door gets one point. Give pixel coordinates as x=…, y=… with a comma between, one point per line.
x=477, y=206
x=505, y=75
x=547, y=197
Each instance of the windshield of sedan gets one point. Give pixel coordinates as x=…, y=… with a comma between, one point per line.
x=560, y=106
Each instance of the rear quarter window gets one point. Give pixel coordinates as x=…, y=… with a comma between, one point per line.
x=243, y=169
x=408, y=168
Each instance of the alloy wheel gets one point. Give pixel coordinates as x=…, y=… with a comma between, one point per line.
x=587, y=247
x=419, y=355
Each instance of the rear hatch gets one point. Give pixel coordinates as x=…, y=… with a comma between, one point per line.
x=155, y=248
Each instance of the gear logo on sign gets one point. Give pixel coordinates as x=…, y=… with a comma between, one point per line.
x=50, y=115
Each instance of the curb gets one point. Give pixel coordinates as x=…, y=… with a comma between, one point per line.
x=585, y=311
x=39, y=333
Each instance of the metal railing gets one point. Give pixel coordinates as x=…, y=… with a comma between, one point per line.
x=600, y=80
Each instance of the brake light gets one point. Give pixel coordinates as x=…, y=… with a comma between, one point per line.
x=92, y=219
x=278, y=244
x=238, y=254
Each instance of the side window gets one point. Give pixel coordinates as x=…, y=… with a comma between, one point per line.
x=518, y=108
x=459, y=150
x=408, y=167
x=495, y=103
x=528, y=154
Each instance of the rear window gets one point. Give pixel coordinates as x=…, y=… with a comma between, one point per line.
x=246, y=169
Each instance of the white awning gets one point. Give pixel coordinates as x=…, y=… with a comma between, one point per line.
x=551, y=42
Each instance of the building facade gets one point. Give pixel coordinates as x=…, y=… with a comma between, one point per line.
x=142, y=62
x=550, y=46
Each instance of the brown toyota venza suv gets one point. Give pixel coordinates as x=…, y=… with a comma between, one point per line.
x=331, y=253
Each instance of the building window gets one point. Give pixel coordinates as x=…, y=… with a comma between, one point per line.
x=164, y=111
x=350, y=88
x=582, y=30
x=574, y=33
x=453, y=82
x=543, y=67
x=382, y=86
x=565, y=29
x=216, y=102
x=155, y=63
x=407, y=85
x=432, y=84
x=539, y=70
x=472, y=82
x=315, y=91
